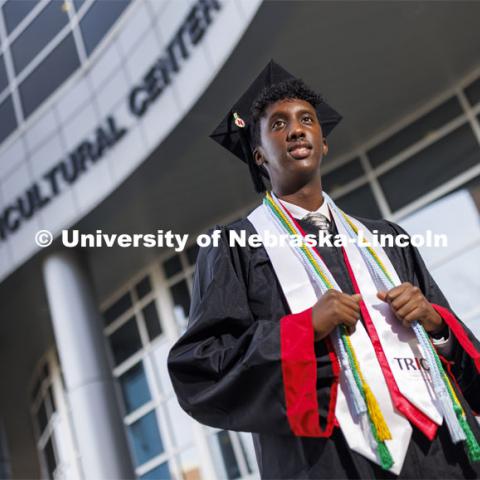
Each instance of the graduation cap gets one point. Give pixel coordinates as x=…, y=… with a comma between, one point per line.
x=235, y=131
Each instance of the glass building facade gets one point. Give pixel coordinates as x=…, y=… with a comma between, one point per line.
x=42, y=44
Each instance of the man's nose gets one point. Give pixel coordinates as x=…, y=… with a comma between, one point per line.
x=296, y=131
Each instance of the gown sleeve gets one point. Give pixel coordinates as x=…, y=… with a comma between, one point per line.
x=244, y=363
x=464, y=361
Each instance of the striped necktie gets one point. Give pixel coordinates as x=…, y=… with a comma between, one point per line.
x=317, y=219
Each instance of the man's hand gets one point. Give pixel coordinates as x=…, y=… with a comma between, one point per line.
x=409, y=304
x=335, y=308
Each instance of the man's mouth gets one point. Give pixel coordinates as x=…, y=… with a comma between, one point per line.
x=300, y=150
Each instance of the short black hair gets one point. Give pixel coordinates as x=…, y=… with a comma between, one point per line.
x=295, y=89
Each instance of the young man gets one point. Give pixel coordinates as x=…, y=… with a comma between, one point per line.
x=343, y=361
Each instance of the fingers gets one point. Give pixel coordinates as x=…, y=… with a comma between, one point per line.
x=405, y=310
x=412, y=316
x=382, y=296
x=407, y=302
x=336, y=308
x=347, y=315
x=396, y=292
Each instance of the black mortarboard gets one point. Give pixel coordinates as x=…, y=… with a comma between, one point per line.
x=233, y=132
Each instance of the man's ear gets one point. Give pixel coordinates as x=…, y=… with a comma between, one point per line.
x=258, y=156
x=324, y=146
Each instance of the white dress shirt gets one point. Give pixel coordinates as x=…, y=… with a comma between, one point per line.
x=299, y=212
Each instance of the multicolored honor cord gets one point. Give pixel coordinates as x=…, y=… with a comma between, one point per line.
x=362, y=398
x=450, y=406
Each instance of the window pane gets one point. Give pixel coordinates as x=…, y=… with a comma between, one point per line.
x=125, y=341
x=42, y=417
x=98, y=20
x=49, y=75
x=134, y=387
x=36, y=389
x=172, y=266
x=342, y=175
x=152, y=322
x=8, y=122
x=52, y=400
x=161, y=472
x=36, y=36
x=3, y=74
x=143, y=287
x=473, y=92
x=50, y=457
x=181, y=301
x=416, y=131
x=431, y=167
x=192, y=253
x=14, y=11
x=226, y=460
x=145, y=438
x=360, y=202
x=116, y=309
x=78, y=4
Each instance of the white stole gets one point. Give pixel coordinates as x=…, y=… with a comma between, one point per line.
x=301, y=293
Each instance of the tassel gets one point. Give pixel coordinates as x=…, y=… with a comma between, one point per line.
x=471, y=443
x=367, y=431
x=452, y=419
x=386, y=459
x=376, y=416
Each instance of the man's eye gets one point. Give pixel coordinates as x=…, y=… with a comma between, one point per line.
x=308, y=119
x=278, y=124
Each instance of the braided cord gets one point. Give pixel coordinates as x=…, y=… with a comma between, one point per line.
x=449, y=403
x=363, y=399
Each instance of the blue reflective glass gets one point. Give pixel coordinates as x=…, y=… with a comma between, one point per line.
x=8, y=122
x=98, y=21
x=134, y=387
x=125, y=341
x=431, y=167
x=161, y=472
x=49, y=75
x=342, y=175
x=117, y=308
x=78, y=4
x=360, y=202
x=473, y=92
x=3, y=74
x=415, y=131
x=228, y=455
x=38, y=33
x=14, y=11
x=145, y=438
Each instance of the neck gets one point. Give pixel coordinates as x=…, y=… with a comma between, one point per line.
x=309, y=196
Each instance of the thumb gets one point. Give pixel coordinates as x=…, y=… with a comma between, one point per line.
x=382, y=296
x=357, y=297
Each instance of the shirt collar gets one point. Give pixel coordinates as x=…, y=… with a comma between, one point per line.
x=299, y=212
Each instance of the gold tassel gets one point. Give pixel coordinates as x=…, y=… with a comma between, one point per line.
x=376, y=415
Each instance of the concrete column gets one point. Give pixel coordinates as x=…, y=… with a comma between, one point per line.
x=81, y=347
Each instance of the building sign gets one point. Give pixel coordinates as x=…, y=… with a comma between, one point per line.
x=91, y=150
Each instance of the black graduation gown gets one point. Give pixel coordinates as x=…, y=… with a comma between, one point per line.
x=226, y=368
